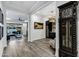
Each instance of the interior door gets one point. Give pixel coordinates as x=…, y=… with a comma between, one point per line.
x=47, y=29
x=67, y=29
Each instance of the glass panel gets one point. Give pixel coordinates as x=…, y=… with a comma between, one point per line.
x=67, y=29
x=70, y=34
x=67, y=34
x=63, y=32
x=64, y=37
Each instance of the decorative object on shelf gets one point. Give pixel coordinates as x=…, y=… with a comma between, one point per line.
x=38, y=25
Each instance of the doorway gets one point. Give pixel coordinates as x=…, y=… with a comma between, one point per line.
x=51, y=32
x=17, y=31
x=25, y=31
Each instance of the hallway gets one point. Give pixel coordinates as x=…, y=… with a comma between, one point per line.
x=20, y=48
x=33, y=22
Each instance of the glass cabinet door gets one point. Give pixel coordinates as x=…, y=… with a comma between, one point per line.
x=66, y=27
x=67, y=33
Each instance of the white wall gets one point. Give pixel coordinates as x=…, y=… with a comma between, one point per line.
x=37, y=33
x=3, y=40
x=41, y=16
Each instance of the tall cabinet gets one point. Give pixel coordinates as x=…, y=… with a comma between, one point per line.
x=67, y=29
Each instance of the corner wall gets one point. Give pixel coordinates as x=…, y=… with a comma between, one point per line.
x=42, y=16
x=37, y=33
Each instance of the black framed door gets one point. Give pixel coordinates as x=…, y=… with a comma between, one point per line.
x=67, y=29
x=48, y=29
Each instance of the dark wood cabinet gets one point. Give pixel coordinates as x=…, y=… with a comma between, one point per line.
x=67, y=29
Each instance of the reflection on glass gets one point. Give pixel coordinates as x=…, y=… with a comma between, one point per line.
x=67, y=31
x=70, y=37
x=64, y=37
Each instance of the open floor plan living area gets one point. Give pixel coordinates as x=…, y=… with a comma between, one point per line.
x=39, y=29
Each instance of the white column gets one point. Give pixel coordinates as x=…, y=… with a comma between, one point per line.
x=57, y=32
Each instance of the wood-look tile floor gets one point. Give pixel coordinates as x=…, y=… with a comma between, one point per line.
x=22, y=48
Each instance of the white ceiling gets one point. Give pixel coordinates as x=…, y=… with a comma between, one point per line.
x=21, y=9
x=24, y=6
x=15, y=15
x=48, y=11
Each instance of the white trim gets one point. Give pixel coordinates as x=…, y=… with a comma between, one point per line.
x=57, y=32
x=29, y=29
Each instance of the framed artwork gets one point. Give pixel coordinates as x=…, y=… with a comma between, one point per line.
x=38, y=25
